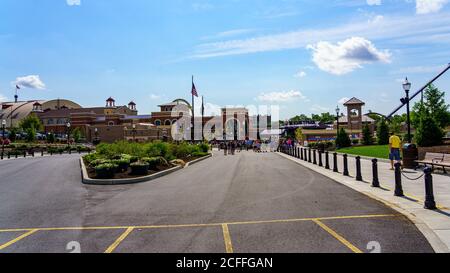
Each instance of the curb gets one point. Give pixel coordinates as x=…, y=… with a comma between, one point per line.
x=197, y=160
x=436, y=243
x=90, y=181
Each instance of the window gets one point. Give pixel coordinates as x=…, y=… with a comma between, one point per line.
x=50, y=121
x=111, y=123
x=168, y=123
x=157, y=122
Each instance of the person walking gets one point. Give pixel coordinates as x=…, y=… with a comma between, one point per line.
x=225, y=148
x=394, y=149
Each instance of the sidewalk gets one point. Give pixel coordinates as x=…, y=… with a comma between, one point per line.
x=435, y=225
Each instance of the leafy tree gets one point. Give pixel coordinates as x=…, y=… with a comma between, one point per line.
x=76, y=134
x=433, y=106
x=31, y=134
x=299, y=135
x=13, y=134
x=342, y=139
x=367, y=135
x=428, y=132
x=383, y=133
x=31, y=121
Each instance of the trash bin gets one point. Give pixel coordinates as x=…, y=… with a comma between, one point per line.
x=410, y=155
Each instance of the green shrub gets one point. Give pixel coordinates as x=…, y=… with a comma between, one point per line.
x=153, y=162
x=355, y=141
x=122, y=164
x=199, y=154
x=105, y=170
x=204, y=147
x=139, y=168
x=97, y=162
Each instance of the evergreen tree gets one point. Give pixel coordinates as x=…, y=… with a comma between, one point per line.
x=428, y=132
x=342, y=139
x=367, y=135
x=383, y=133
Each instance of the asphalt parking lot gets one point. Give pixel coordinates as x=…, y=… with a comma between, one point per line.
x=244, y=203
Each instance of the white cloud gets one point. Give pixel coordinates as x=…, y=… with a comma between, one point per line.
x=418, y=69
x=429, y=6
x=319, y=109
x=373, y=2
x=31, y=81
x=346, y=56
x=343, y=100
x=281, y=96
x=230, y=33
x=386, y=28
x=300, y=74
x=154, y=97
x=73, y=2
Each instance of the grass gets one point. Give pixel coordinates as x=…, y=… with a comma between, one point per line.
x=378, y=151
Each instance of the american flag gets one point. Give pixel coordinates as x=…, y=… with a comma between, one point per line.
x=194, y=90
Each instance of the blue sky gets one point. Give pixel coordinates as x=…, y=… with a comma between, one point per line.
x=305, y=56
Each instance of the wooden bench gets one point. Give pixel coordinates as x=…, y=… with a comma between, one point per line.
x=436, y=159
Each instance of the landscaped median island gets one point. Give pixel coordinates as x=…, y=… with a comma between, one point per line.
x=129, y=161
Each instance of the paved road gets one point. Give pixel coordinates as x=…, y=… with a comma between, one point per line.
x=244, y=203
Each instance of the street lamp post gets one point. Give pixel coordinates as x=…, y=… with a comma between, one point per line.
x=337, y=121
x=134, y=132
x=68, y=134
x=3, y=136
x=407, y=87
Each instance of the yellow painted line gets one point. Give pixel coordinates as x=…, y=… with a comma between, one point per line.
x=122, y=237
x=207, y=225
x=227, y=238
x=18, y=239
x=337, y=236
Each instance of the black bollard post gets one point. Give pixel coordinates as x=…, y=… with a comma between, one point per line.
x=327, y=160
x=358, y=169
x=335, y=163
x=346, y=165
x=42, y=152
x=375, y=181
x=298, y=153
x=345, y=173
x=314, y=157
x=17, y=154
x=306, y=154
x=320, y=159
x=32, y=153
x=9, y=155
x=301, y=153
x=2, y=156
x=398, y=180
x=429, y=197
x=309, y=155
x=24, y=154
x=70, y=151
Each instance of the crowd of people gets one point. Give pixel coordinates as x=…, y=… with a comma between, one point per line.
x=231, y=147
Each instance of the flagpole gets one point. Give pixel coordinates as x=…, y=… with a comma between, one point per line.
x=193, y=115
x=203, y=116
